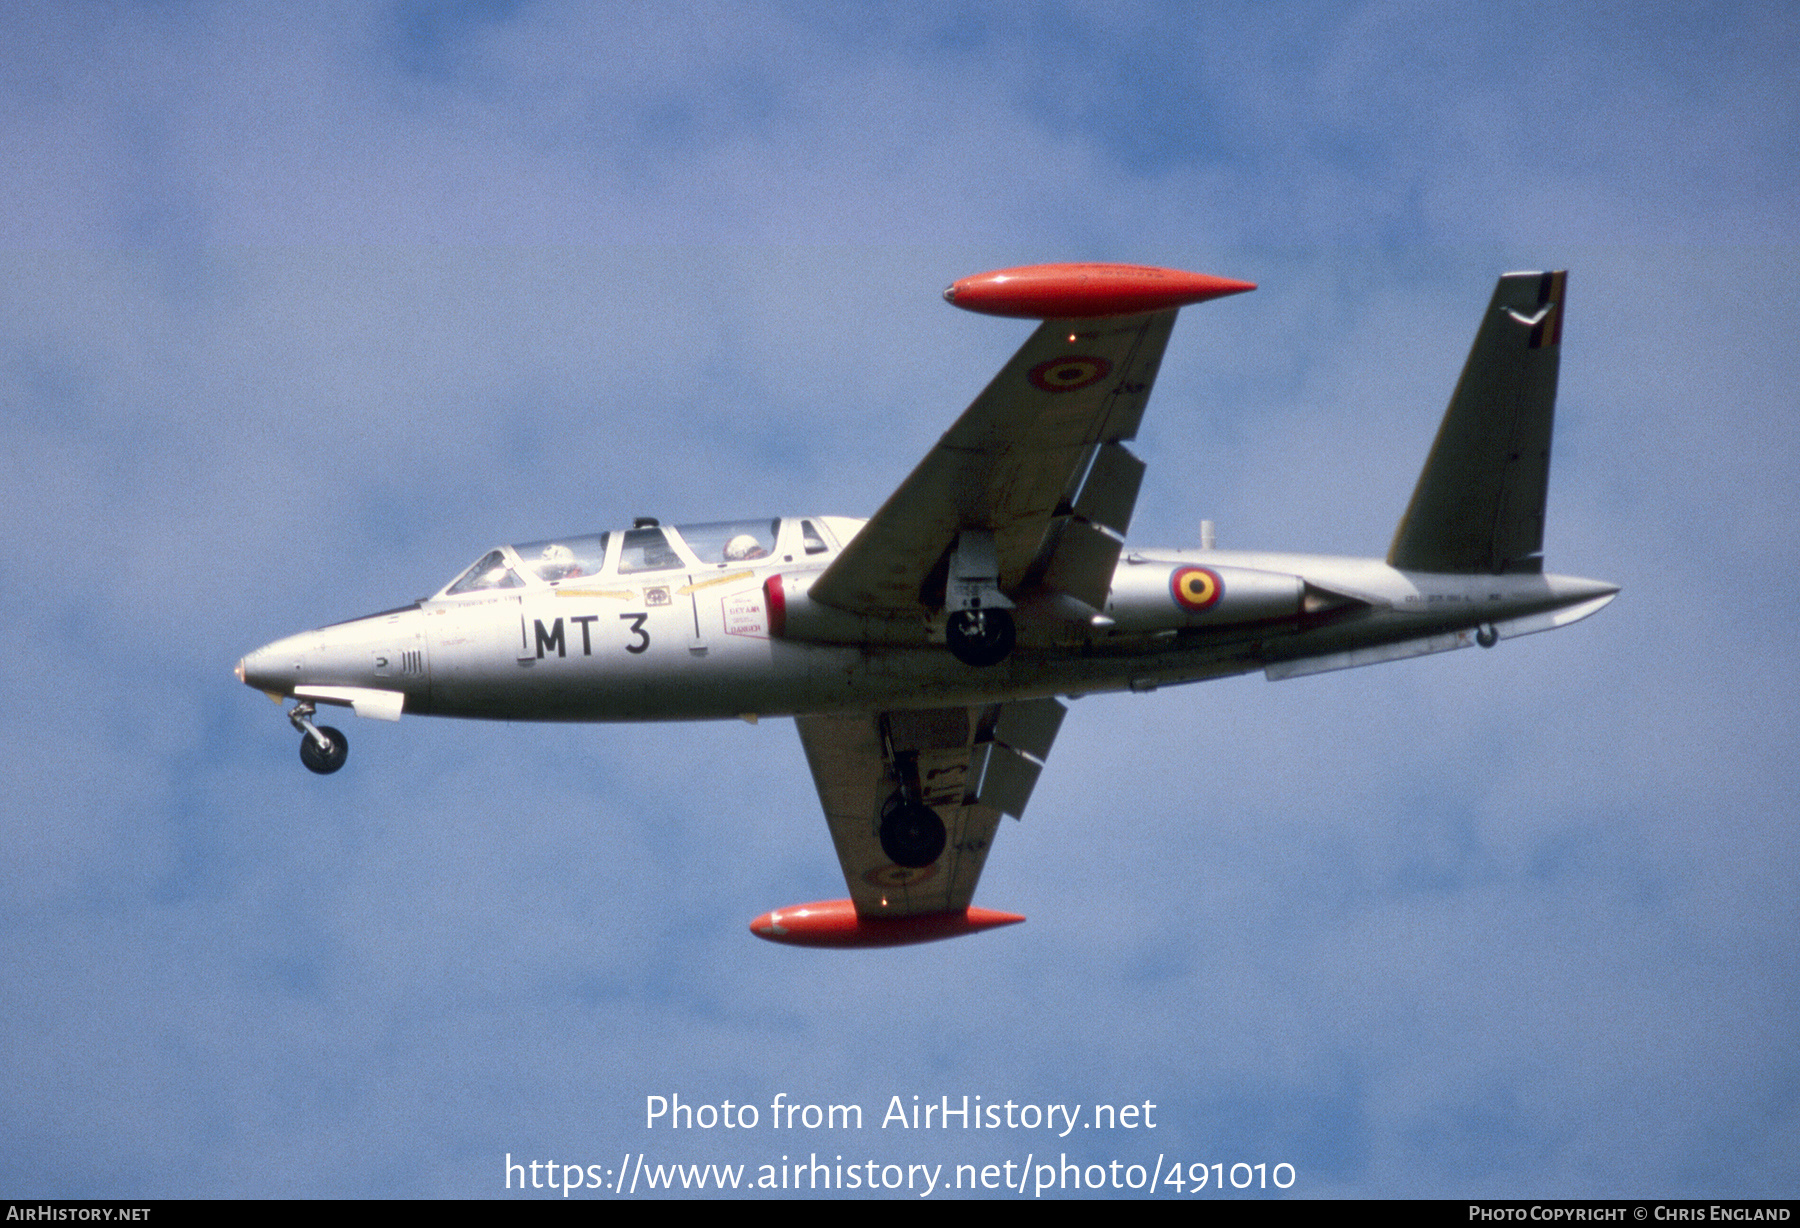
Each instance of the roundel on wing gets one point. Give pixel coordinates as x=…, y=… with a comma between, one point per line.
x=1068, y=374
x=899, y=876
x=1196, y=588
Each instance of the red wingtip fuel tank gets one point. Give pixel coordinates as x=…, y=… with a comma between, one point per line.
x=1086, y=291
x=834, y=923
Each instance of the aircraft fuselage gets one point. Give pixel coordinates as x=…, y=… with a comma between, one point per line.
x=697, y=644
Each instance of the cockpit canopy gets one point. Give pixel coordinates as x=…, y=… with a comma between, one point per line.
x=649, y=547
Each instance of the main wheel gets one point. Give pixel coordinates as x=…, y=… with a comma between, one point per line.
x=912, y=835
x=329, y=759
x=980, y=637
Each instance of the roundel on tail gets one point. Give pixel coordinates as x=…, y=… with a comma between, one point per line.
x=1196, y=588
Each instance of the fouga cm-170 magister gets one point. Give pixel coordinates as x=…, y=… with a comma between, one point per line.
x=921, y=651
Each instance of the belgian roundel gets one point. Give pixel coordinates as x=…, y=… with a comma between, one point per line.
x=1068, y=374
x=1196, y=588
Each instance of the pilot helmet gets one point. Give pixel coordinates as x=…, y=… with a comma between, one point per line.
x=556, y=561
x=743, y=546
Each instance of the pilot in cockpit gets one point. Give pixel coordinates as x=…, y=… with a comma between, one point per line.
x=557, y=562
x=743, y=548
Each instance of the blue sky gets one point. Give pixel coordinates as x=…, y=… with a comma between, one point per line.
x=304, y=312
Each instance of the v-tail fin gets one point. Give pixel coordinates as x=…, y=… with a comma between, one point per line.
x=1479, y=504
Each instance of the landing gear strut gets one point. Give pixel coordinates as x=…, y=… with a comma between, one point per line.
x=322, y=748
x=912, y=835
x=979, y=637
x=979, y=631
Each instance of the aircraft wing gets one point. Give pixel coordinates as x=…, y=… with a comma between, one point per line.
x=1038, y=459
x=969, y=764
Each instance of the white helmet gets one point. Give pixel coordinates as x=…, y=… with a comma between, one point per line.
x=741, y=547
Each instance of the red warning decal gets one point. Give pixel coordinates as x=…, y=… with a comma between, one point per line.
x=1196, y=588
x=743, y=615
x=1068, y=374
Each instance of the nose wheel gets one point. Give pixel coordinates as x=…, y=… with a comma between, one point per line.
x=323, y=749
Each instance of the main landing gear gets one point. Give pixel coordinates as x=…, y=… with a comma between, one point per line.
x=979, y=631
x=322, y=748
x=912, y=835
x=980, y=637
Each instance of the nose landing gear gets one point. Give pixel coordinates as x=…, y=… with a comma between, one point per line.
x=322, y=748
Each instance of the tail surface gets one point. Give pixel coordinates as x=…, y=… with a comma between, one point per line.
x=1479, y=504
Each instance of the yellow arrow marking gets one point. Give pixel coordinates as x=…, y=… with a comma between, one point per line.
x=700, y=584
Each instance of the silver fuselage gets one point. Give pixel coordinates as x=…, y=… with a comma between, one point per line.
x=696, y=643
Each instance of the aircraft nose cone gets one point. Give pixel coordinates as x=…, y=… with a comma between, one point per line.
x=271, y=668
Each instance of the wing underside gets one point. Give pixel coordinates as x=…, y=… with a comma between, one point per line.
x=1037, y=459
x=969, y=765
x=1033, y=481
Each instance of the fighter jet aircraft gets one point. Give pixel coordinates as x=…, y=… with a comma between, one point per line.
x=921, y=652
